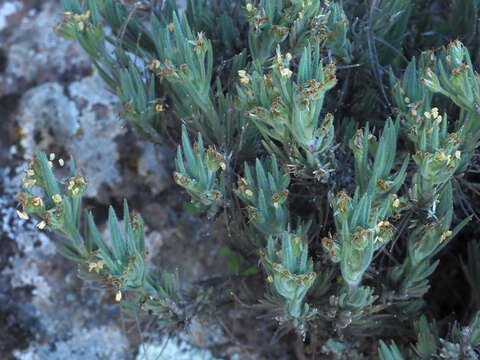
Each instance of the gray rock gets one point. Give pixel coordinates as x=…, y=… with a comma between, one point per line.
x=83, y=124
x=173, y=349
x=35, y=54
x=104, y=342
x=151, y=165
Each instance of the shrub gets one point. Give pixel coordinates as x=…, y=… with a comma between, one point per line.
x=308, y=131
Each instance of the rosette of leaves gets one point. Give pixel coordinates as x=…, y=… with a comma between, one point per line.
x=437, y=157
x=184, y=64
x=198, y=173
x=265, y=192
x=296, y=23
x=54, y=206
x=336, y=32
x=351, y=306
x=361, y=229
x=124, y=259
x=424, y=242
x=362, y=221
x=272, y=22
x=453, y=76
x=438, y=153
x=460, y=343
x=290, y=273
x=410, y=97
x=374, y=162
x=287, y=112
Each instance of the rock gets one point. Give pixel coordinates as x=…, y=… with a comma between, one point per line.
x=8, y=9
x=173, y=349
x=94, y=146
x=205, y=335
x=151, y=165
x=34, y=53
x=47, y=117
x=83, y=124
x=104, y=342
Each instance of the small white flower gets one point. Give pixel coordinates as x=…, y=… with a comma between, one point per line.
x=286, y=73
x=22, y=215
x=57, y=199
x=97, y=266
x=244, y=79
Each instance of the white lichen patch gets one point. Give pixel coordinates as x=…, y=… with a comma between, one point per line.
x=173, y=349
x=104, y=342
x=6, y=9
